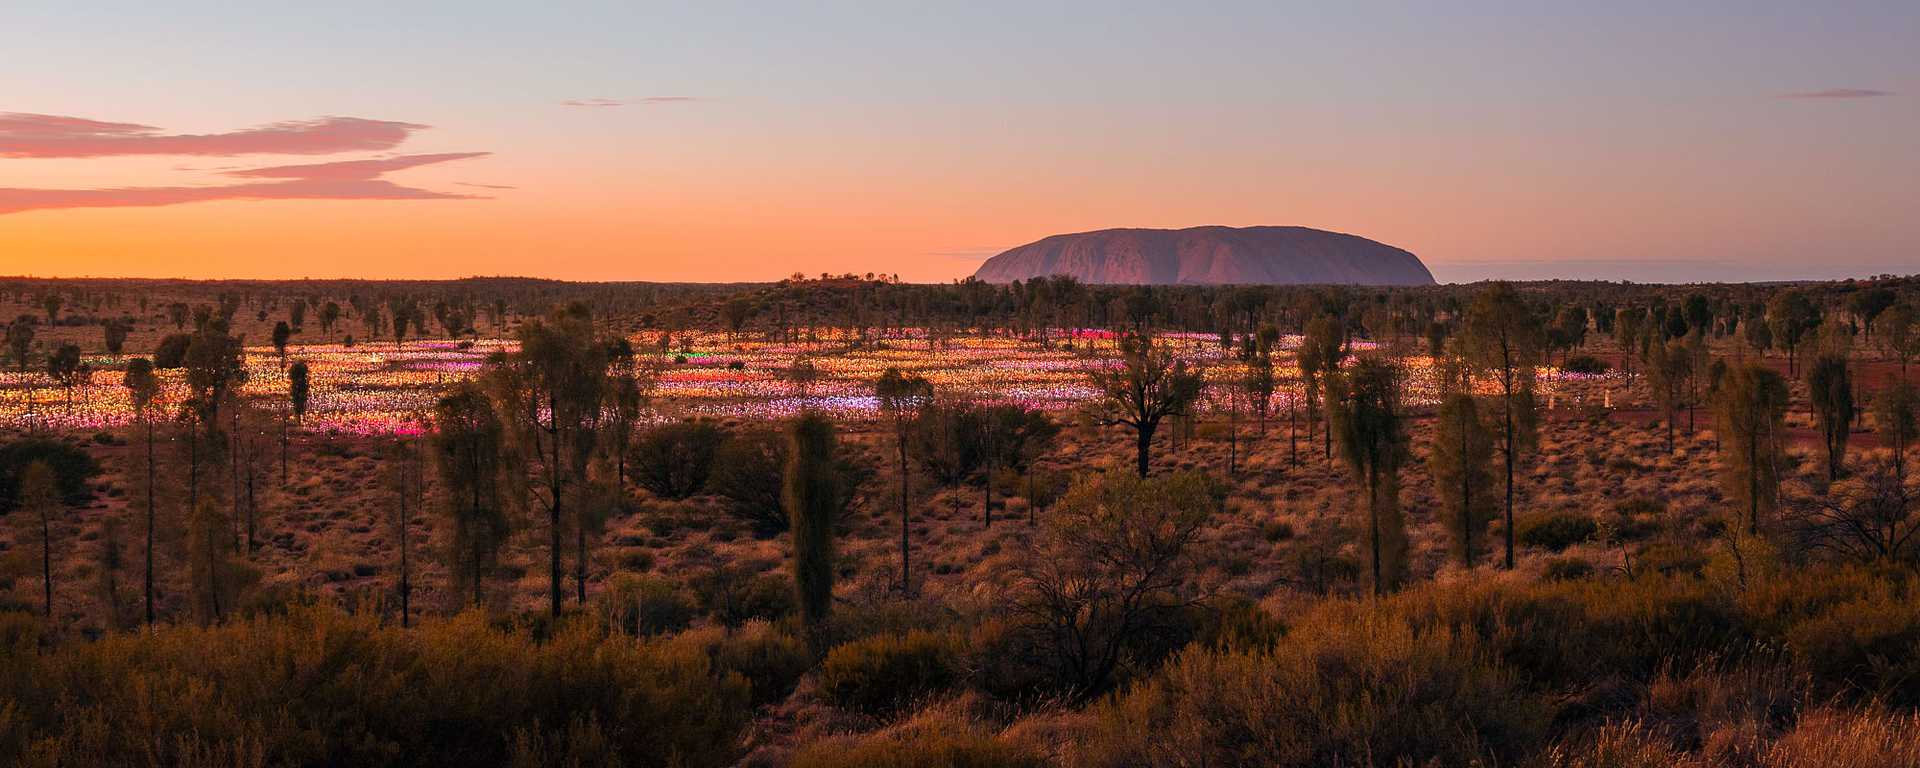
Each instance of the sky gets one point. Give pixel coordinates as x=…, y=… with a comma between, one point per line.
x=713, y=141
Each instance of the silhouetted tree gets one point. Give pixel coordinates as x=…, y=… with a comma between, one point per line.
x=1461, y=465
x=20, y=340
x=1830, y=393
x=40, y=500
x=142, y=386
x=1373, y=441
x=1790, y=315
x=115, y=335
x=902, y=397
x=811, y=493
x=1150, y=385
x=1896, y=414
x=282, y=333
x=1503, y=337
x=468, y=443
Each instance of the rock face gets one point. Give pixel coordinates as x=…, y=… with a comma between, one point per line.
x=1210, y=256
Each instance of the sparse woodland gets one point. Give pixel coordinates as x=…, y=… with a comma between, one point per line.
x=1542, y=524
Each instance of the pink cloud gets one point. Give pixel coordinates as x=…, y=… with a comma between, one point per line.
x=45, y=136
x=344, y=180
x=1838, y=93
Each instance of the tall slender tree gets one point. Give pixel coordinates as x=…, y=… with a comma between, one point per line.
x=1752, y=413
x=142, y=386
x=1461, y=463
x=1373, y=440
x=1503, y=336
x=468, y=441
x=1830, y=393
x=810, y=490
x=902, y=397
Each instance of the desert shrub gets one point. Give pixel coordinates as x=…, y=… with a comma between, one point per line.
x=674, y=460
x=1555, y=531
x=320, y=687
x=931, y=740
x=72, y=468
x=1870, y=645
x=645, y=605
x=1587, y=364
x=734, y=595
x=1350, y=685
x=771, y=659
x=1568, y=568
x=1672, y=557
x=879, y=675
x=172, y=350
x=1276, y=530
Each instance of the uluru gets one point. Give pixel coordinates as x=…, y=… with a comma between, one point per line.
x=1210, y=256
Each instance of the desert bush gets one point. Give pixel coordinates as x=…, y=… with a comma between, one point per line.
x=1587, y=364
x=880, y=675
x=734, y=595
x=674, y=460
x=1870, y=645
x=320, y=687
x=933, y=740
x=1350, y=685
x=771, y=659
x=645, y=605
x=1568, y=568
x=1555, y=532
x=72, y=468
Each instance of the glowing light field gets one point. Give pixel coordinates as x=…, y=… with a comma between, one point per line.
x=380, y=388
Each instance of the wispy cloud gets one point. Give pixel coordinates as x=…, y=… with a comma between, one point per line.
x=1838, y=93
x=478, y=185
x=343, y=180
x=25, y=135
x=643, y=101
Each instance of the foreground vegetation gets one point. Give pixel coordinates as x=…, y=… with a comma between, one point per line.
x=1283, y=556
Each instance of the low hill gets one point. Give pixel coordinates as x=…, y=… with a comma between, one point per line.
x=1210, y=256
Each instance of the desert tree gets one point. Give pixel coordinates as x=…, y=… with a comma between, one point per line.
x=550, y=393
x=297, y=313
x=1368, y=424
x=404, y=471
x=214, y=372
x=52, y=303
x=1896, y=333
x=1790, y=317
x=114, y=335
x=177, y=314
x=282, y=333
x=467, y=442
x=39, y=498
x=142, y=387
x=1149, y=385
x=629, y=388
x=1014, y=437
x=1867, y=305
x=1668, y=367
x=902, y=396
x=1503, y=337
x=1830, y=394
x=1896, y=414
x=1461, y=463
x=1752, y=413
x=1258, y=385
x=1628, y=324
x=110, y=565
x=811, y=492
x=299, y=389
x=1869, y=517
x=329, y=314
x=1319, y=356
x=20, y=340
x=1110, y=573
x=64, y=367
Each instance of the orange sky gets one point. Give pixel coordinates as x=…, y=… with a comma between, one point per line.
x=748, y=144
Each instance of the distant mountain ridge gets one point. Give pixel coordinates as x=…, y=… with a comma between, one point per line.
x=1210, y=256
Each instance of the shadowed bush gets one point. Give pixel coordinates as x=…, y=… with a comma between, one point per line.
x=319, y=687
x=882, y=674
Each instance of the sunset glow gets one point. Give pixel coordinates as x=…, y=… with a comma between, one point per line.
x=747, y=143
